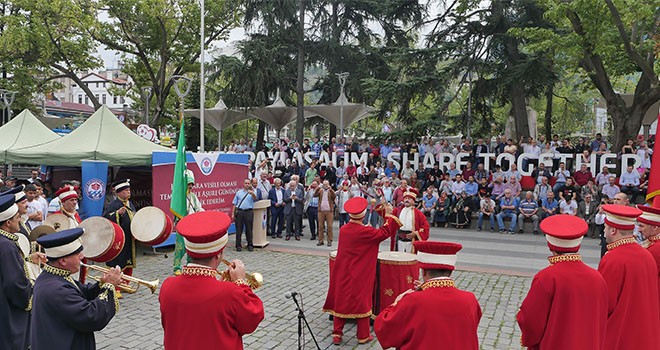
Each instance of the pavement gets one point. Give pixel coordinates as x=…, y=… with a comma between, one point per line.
x=497, y=268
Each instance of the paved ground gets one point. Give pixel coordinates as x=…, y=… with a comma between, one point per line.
x=497, y=268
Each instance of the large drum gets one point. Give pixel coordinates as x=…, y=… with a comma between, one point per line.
x=396, y=273
x=58, y=221
x=150, y=225
x=103, y=240
x=33, y=270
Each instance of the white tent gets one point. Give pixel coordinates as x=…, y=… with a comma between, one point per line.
x=278, y=114
x=24, y=130
x=220, y=117
x=352, y=112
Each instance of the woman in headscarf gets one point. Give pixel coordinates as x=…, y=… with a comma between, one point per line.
x=442, y=211
x=461, y=212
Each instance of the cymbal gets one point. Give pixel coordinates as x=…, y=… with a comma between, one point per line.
x=40, y=231
x=58, y=221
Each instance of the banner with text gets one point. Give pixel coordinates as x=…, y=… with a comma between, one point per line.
x=217, y=178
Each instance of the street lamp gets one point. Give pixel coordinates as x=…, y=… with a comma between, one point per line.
x=202, y=87
x=342, y=82
x=7, y=97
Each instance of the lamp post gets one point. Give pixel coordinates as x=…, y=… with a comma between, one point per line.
x=202, y=87
x=7, y=98
x=469, y=107
x=342, y=82
x=146, y=93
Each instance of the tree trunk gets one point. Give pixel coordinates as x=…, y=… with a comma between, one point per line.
x=548, y=112
x=260, y=135
x=519, y=111
x=300, y=89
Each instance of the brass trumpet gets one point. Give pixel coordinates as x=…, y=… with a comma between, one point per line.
x=124, y=287
x=255, y=280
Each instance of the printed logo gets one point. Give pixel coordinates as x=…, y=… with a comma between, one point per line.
x=95, y=189
x=206, y=166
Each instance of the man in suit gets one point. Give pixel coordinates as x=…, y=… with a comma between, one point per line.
x=587, y=210
x=293, y=209
x=276, y=196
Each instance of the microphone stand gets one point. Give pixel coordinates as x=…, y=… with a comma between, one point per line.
x=301, y=319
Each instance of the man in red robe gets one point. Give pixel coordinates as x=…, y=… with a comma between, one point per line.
x=565, y=296
x=631, y=276
x=353, y=276
x=414, y=227
x=68, y=196
x=197, y=310
x=437, y=314
x=649, y=227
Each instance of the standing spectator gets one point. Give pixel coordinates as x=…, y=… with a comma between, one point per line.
x=486, y=209
x=610, y=189
x=312, y=208
x=629, y=148
x=241, y=212
x=629, y=182
x=276, y=196
x=397, y=197
x=327, y=197
x=311, y=173
x=509, y=209
x=587, y=210
x=644, y=153
x=477, y=150
x=568, y=206
x=293, y=209
x=549, y=206
x=528, y=209
x=35, y=210
x=595, y=143
x=385, y=149
x=343, y=195
x=567, y=148
x=330, y=173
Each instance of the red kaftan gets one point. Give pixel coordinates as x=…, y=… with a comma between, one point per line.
x=654, y=249
x=633, y=314
x=200, y=312
x=440, y=317
x=565, y=308
x=354, y=273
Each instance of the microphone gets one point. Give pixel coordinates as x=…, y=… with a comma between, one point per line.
x=291, y=295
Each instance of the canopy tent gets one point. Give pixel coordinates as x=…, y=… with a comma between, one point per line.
x=332, y=113
x=220, y=117
x=53, y=122
x=278, y=114
x=24, y=130
x=101, y=137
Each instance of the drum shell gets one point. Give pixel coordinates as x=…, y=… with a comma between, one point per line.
x=113, y=246
x=396, y=273
x=116, y=247
x=153, y=234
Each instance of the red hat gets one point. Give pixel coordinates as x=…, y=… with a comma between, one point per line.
x=621, y=216
x=204, y=233
x=345, y=183
x=356, y=207
x=67, y=192
x=650, y=215
x=411, y=193
x=436, y=255
x=564, y=232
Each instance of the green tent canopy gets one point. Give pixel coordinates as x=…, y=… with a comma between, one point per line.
x=101, y=137
x=24, y=130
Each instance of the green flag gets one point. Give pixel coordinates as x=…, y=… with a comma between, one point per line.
x=178, y=205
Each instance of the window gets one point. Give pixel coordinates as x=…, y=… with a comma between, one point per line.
x=86, y=100
x=104, y=99
x=122, y=100
x=114, y=100
x=103, y=84
x=98, y=98
x=97, y=84
x=80, y=99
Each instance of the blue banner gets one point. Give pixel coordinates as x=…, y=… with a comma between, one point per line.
x=94, y=180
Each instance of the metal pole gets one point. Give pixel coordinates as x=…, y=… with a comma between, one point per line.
x=469, y=109
x=342, y=82
x=202, y=87
x=146, y=92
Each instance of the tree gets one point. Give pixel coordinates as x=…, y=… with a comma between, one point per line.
x=608, y=40
x=160, y=38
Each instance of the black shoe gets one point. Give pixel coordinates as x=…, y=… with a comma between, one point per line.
x=313, y=238
x=238, y=249
x=511, y=232
x=319, y=243
x=330, y=244
x=301, y=234
x=492, y=229
x=536, y=232
x=279, y=236
x=250, y=249
x=287, y=238
x=479, y=229
x=520, y=231
x=502, y=230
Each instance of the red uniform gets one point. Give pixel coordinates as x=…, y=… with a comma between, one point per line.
x=566, y=307
x=419, y=224
x=633, y=313
x=654, y=249
x=439, y=316
x=353, y=277
x=200, y=312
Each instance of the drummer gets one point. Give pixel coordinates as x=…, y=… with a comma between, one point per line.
x=68, y=197
x=121, y=211
x=415, y=226
x=353, y=276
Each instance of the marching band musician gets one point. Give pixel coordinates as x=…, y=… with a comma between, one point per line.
x=566, y=287
x=437, y=312
x=649, y=227
x=197, y=310
x=414, y=227
x=66, y=313
x=352, y=279
x=15, y=289
x=121, y=211
x=21, y=201
x=68, y=196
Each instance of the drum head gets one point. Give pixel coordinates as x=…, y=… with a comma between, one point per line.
x=98, y=237
x=148, y=224
x=397, y=257
x=24, y=244
x=58, y=221
x=41, y=231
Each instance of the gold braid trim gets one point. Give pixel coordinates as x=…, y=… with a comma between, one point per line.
x=336, y=314
x=620, y=242
x=11, y=236
x=14, y=238
x=199, y=271
x=396, y=219
x=56, y=271
x=108, y=291
x=655, y=238
x=242, y=282
x=443, y=283
x=564, y=258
